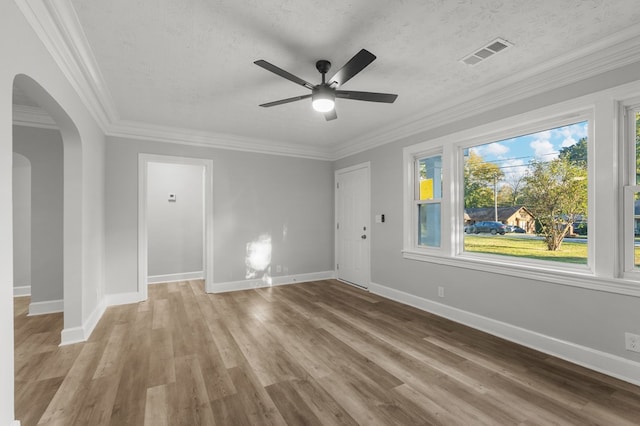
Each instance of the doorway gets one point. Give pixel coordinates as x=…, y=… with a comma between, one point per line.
x=154, y=196
x=353, y=227
x=70, y=199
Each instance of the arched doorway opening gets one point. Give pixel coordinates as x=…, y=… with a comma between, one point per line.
x=29, y=89
x=66, y=227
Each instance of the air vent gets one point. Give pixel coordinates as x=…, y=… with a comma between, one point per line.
x=493, y=47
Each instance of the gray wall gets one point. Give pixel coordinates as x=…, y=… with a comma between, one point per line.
x=586, y=317
x=21, y=221
x=289, y=199
x=43, y=148
x=175, y=229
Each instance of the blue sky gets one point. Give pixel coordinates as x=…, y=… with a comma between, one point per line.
x=513, y=155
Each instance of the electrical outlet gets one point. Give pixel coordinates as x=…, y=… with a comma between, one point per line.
x=440, y=291
x=632, y=342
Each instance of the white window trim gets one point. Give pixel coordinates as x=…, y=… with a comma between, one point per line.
x=597, y=107
x=410, y=222
x=516, y=131
x=417, y=202
x=629, y=187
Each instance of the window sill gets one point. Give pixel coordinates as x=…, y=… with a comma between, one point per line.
x=577, y=276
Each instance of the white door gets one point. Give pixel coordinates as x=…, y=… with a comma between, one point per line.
x=352, y=225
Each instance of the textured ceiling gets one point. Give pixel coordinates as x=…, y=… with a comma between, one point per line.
x=188, y=64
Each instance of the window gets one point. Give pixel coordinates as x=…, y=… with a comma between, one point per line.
x=632, y=190
x=428, y=199
x=496, y=197
x=526, y=196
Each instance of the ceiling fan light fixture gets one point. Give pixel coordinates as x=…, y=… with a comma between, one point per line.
x=323, y=96
x=323, y=105
x=323, y=99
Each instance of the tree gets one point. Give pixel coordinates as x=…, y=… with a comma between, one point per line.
x=511, y=192
x=556, y=194
x=576, y=153
x=505, y=195
x=479, y=180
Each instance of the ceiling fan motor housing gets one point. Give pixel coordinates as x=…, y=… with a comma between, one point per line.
x=323, y=66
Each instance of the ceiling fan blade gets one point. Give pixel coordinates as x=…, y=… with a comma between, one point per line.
x=366, y=96
x=330, y=115
x=282, y=73
x=353, y=67
x=286, y=101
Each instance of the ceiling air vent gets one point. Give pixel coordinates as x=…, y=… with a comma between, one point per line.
x=493, y=47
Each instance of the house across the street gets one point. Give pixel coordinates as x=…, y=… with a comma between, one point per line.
x=514, y=215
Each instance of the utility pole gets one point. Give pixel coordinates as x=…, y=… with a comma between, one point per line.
x=495, y=197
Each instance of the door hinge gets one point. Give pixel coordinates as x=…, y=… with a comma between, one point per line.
x=337, y=185
x=337, y=266
x=338, y=225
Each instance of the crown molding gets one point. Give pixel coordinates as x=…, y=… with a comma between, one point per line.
x=32, y=117
x=165, y=134
x=608, y=54
x=58, y=27
x=56, y=24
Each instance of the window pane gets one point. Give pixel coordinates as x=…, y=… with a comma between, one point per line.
x=429, y=225
x=536, y=186
x=430, y=182
x=636, y=208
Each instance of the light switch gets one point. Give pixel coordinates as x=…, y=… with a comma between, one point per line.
x=172, y=198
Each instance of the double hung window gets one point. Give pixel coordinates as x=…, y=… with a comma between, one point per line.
x=428, y=200
x=632, y=191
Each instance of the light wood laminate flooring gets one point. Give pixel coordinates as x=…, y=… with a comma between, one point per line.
x=319, y=353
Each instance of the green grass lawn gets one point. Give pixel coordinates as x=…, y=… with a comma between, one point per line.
x=513, y=245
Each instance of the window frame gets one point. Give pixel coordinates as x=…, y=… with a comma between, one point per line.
x=630, y=186
x=603, y=272
x=411, y=192
x=433, y=201
x=535, y=126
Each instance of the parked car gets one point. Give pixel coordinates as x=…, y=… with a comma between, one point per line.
x=489, y=227
x=516, y=229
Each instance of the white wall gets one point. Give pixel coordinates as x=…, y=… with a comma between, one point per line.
x=21, y=221
x=43, y=148
x=289, y=199
x=25, y=53
x=175, y=228
x=588, y=321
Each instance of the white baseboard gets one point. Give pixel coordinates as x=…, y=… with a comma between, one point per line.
x=23, y=290
x=123, y=298
x=81, y=334
x=46, y=307
x=15, y=423
x=275, y=281
x=603, y=362
x=170, y=278
x=73, y=335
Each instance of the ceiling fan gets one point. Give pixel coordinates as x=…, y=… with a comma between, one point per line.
x=323, y=95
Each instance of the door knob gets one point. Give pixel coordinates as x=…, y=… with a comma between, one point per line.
x=364, y=236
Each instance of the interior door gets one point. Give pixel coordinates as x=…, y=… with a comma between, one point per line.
x=352, y=225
